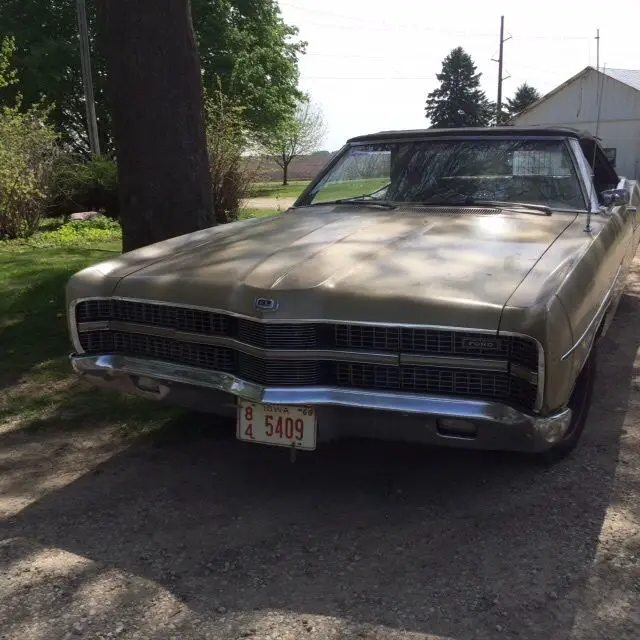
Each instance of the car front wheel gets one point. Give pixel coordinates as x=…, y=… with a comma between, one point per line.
x=580, y=403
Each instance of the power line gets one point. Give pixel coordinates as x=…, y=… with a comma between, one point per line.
x=361, y=78
x=391, y=27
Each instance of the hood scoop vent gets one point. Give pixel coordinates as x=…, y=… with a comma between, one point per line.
x=450, y=211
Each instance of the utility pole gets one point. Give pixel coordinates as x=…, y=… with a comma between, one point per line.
x=85, y=59
x=500, y=62
x=598, y=49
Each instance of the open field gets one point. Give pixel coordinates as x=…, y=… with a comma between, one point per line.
x=122, y=519
x=273, y=195
x=277, y=189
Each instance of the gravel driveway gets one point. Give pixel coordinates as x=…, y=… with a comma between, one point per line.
x=191, y=535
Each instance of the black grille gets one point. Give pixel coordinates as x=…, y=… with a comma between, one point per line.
x=93, y=310
x=443, y=341
x=424, y=379
x=196, y=355
x=156, y=315
x=525, y=353
x=309, y=372
x=353, y=336
x=418, y=379
x=300, y=336
x=179, y=318
x=278, y=336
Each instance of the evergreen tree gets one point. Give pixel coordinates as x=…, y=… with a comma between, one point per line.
x=459, y=101
x=524, y=97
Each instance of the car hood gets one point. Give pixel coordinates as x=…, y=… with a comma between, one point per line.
x=337, y=263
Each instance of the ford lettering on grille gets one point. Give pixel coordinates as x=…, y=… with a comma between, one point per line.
x=476, y=344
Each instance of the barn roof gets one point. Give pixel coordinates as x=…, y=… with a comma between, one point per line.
x=630, y=77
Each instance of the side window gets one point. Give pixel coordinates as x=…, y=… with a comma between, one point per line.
x=586, y=172
x=610, y=152
x=604, y=175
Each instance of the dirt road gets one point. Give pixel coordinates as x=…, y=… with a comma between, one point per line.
x=191, y=535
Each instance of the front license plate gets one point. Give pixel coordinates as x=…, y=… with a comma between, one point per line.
x=277, y=424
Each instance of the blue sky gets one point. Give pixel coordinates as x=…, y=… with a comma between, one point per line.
x=371, y=63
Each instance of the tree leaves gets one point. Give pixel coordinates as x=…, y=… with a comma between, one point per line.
x=244, y=42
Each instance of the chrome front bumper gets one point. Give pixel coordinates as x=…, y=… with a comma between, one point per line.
x=397, y=415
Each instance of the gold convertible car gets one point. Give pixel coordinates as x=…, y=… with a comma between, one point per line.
x=445, y=286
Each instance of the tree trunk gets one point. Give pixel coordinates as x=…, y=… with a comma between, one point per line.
x=285, y=173
x=156, y=98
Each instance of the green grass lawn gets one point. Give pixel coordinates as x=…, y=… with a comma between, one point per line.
x=277, y=189
x=38, y=389
x=245, y=214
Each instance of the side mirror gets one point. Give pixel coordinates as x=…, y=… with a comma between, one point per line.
x=615, y=197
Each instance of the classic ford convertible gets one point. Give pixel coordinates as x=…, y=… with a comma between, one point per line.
x=440, y=286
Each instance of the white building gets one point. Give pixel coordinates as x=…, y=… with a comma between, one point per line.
x=575, y=103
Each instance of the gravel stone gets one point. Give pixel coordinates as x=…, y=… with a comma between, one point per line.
x=198, y=537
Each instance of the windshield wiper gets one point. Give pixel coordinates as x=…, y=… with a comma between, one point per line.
x=385, y=204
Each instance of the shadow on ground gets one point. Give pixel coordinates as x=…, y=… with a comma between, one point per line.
x=458, y=544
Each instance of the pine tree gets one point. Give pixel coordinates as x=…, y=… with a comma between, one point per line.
x=524, y=97
x=459, y=101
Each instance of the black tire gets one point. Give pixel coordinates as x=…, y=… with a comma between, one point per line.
x=580, y=403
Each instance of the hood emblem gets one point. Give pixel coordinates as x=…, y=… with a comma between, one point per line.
x=265, y=304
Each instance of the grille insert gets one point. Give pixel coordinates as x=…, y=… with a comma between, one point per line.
x=278, y=336
x=280, y=373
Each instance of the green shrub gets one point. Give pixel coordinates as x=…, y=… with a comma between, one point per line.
x=27, y=154
x=85, y=185
x=77, y=232
x=28, y=151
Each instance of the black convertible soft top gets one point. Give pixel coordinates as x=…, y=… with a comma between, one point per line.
x=472, y=132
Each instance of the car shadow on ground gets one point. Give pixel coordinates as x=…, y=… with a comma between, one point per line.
x=408, y=537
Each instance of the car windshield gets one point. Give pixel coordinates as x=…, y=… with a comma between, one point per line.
x=454, y=171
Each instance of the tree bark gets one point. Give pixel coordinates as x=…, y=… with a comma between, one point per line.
x=156, y=98
x=285, y=173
